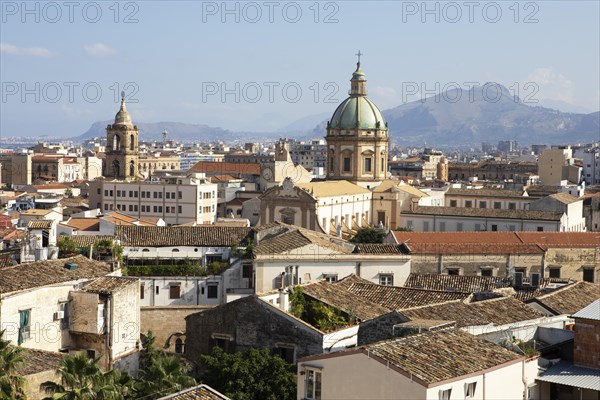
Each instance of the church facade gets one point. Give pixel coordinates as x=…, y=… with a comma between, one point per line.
x=357, y=163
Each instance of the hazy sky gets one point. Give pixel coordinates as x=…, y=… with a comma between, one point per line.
x=259, y=66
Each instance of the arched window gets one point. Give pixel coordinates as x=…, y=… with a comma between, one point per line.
x=116, y=142
x=132, y=143
x=179, y=346
x=131, y=168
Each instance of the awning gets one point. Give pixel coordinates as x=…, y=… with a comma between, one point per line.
x=565, y=373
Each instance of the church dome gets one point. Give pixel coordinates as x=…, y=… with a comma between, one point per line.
x=357, y=111
x=123, y=117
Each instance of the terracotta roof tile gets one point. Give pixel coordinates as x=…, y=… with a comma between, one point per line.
x=500, y=311
x=36, y=361
x=40, y=224
x=394, y=297
x=456, y=283
x=569, y=299
x=486, y=212
x=42, y=273
x=346, y=301
x=441, y=355
x=160, y=236
x=226, y=168
x=202, y=392
x=297, y=238
x=109, y=284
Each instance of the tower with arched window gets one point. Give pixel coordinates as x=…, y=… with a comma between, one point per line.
x=122, y=157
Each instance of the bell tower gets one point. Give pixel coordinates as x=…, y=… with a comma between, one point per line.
x=122, y=147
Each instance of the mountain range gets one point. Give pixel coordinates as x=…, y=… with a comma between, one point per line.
x=487, y=113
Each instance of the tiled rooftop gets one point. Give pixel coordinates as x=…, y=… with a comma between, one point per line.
x=501, y=239
x=486, y=212
x=40, y=224
x=394, y=297
x=42, y=273
x=442, y=355
x=201, y=392
x=36, y=361
x=377, y=248
x=201, y=236
x=332, y=188
x=484, y=192
x=296, y=237
x=456, y=283
x=226, y=168
x=569, y=299
x=500, y=311
x=337, y=296
x=109, y=284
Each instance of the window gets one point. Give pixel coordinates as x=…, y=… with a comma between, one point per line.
x=588, y=275
x=453, y=271
x=368, y=164
x=143, y=195
x=512, y=206
x=380, y=217
x=445, y=394
x=212, y=291
x=494, y=228
x=179, y=209
x=313, y=385
x=346, y=164
x=24, y=326
x=157, y=289
x=330, y=277
x=468, y=203
x=521, y=270
x=442, y=227
x=459, y=227
x=287, y=352
x=497, y=205
x=386, y=279
x=487, y=272
x=64, y=322
x=174, y=291
x=452, y=203
x=483, y=204
x=554, y=272
x=425, y=226
x=470, y=389
x=540, y=229
x=225, y=342
x=142, y=289
x=179, y=346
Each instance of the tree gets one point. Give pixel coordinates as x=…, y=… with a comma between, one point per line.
x=160, y=374
x=297, y=302
x=11, y=383
x=67, y=246
x=254, y=375
x=325, y=317
x=82, y=379
x=368, y=235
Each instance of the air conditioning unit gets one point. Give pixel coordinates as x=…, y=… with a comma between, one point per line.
x=58, y=315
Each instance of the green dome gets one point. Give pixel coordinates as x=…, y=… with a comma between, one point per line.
x=357, y=112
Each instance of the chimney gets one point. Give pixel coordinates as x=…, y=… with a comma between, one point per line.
x=284, y=299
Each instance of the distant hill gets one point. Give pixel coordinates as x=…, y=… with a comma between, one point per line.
x=457, y=117
x=473, y=118
x=177, y=130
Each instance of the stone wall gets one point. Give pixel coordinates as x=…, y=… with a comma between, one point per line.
x=33, y=382
x=380, y=328
x=165, y=322
x=249, y=323
x=572, y=261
